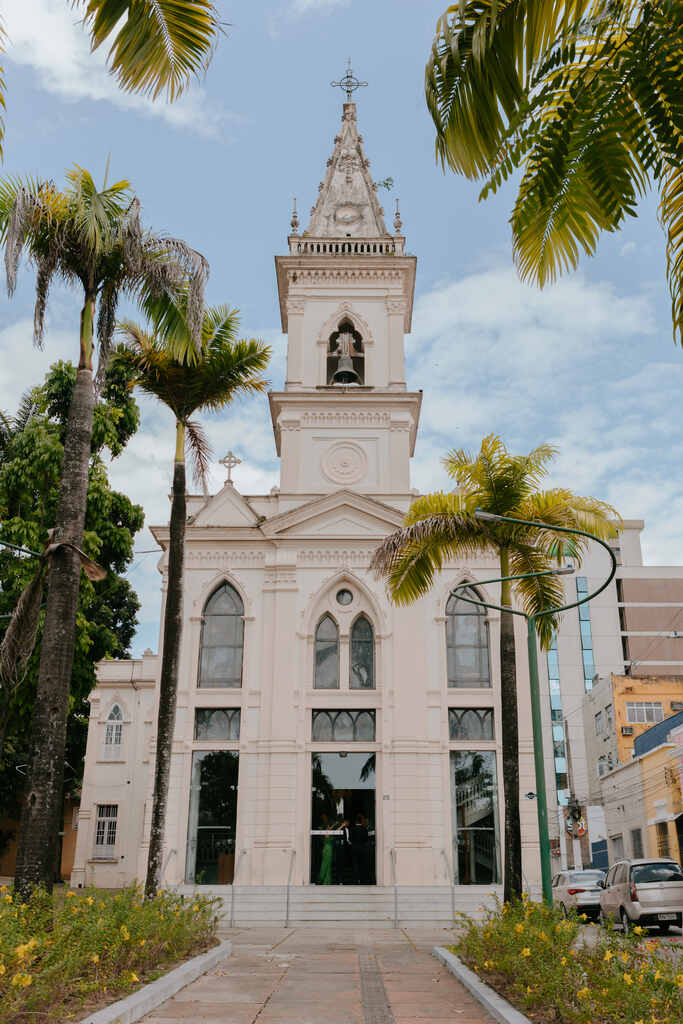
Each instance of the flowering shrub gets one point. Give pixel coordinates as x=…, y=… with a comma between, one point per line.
x=64, y=953
x=529, y=954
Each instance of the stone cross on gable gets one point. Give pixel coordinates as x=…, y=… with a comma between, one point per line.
x=230, y=461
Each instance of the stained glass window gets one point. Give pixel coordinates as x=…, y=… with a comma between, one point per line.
x=470, y=723
x=217, y=724
x=343, y=725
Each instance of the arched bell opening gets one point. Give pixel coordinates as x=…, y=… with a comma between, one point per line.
x=345, y=356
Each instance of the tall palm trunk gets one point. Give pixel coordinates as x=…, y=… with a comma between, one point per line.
x=512, y=873
x=168, y=685
x=42, y=804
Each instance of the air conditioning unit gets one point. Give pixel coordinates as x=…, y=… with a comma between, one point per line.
x=677, y=705
x=627, y=730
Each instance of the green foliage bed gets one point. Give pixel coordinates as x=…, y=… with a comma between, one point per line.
x=535, y=958
x=63, y=954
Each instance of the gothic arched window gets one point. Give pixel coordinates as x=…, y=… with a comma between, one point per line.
x=327, y=654
x=467, y=643
x=345, y=356
x=113, y=733
x=362, y=659
x=220, y=661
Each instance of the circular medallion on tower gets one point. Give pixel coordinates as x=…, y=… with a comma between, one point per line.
x=344, y=463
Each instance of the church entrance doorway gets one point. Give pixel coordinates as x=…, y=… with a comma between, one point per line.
x=343, y=840
x=213, y=814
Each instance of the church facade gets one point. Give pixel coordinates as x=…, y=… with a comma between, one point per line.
x=324, y=737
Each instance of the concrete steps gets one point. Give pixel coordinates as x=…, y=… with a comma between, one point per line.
x=379, y=906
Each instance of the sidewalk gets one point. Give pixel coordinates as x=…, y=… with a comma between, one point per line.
x=326, y=976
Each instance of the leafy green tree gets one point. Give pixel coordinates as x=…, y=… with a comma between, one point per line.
x=164, y=363
x=94, y=240
x=30, y=468
x=157, y=46
x=441, y=528
x=586, y=97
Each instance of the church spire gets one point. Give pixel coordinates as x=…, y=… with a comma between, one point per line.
x=347, y=204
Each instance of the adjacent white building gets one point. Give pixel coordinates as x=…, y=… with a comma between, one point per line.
x=325, y=738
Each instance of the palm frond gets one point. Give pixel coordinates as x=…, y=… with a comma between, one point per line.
x=671, y=219
x=197, y=444
x=540, y=593
x=3, y=42
x=162, y=44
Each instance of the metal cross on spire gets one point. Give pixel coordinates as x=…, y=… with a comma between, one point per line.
x=349, y=82
x=230, y=461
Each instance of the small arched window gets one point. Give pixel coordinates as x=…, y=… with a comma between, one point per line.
x=222, y=642
x=327, y=654
x=113, y=733
x=467, y=643
x=362, y=660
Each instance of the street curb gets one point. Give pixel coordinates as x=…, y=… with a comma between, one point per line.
x=147, y=998
x=498, y=1007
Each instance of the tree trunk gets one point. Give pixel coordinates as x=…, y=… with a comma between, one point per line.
x=168, y=685
x=42, y=809
x=512, y=874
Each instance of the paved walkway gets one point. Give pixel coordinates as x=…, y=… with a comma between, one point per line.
x=326, y=976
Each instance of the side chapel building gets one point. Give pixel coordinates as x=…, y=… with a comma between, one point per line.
x=325, y=738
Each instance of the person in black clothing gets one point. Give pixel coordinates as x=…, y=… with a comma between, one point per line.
x=360, y=845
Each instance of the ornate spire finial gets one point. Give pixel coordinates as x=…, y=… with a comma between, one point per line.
x=398, y=223
x=230, y=461
x=295, y=220
x=349, y=82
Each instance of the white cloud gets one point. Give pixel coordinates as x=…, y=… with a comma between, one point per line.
x=301, y=7
x=46, y=36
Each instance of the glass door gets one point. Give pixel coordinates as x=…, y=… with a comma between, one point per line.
x=213, y=813
x=475, y=817
x=343, y=819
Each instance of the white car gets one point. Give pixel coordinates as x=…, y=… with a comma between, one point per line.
x=647, y=892
x=579, y=891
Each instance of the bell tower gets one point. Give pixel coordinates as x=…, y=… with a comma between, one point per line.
x=345, y=418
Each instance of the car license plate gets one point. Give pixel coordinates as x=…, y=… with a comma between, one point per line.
x=666, y=917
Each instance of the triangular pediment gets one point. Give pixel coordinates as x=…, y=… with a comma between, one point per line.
x=341, y=515
x=226, y=508
x=347, y=204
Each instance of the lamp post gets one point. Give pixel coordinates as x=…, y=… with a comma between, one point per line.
x=541, y=800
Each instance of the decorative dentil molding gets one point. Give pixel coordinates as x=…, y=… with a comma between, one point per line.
x=334, y=556
x=344, y=418
x=209, y=558
x=344, y=274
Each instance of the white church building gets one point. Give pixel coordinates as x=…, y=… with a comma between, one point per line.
x=333, y=754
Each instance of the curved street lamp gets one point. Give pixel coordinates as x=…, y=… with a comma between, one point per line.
x=542, y=803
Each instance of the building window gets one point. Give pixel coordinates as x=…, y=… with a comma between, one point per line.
x=637, y=842
x=586, y=634
x=362, y=661
x=113, y=734
x=470, y=723
x=641, y=711
x=662, y=833
x=598, y=723
x=617, y=847
x=217, y=724
x=467, y=643
x=105, y=830
x=327, y=654
x=343, y=726
x=222, y=643
x=602, y=766
x=609, y=718
x=557, y=718
x=475, y=817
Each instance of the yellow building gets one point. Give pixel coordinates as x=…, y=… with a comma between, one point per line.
x=662, y=802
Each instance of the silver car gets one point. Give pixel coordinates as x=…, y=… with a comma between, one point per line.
x=648, y=892
x=578, y=890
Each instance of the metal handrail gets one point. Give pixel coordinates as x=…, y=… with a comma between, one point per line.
x=240, y=855
x=289, y=884
x=393, y=872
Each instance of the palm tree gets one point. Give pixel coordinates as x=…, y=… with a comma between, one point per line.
x=157, y=46
x=441, y=528
x=164, y=364
x=92, y=239
x=586, y=97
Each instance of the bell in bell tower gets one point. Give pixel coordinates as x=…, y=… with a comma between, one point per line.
x=345, y=356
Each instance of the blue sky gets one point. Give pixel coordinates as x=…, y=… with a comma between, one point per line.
x=589, y=364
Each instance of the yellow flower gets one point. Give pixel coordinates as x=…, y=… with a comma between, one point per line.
x=519, y=928
x=8, y=897
x=69, y=895
x=95, y=958
x=2, y=969
x=529, y=990
x=563, y=961
x=624, y=957
x=608, y=955
x=22, y=980
x=603, y=991
x=74, y=910
x=583, y=992
x=628, y=979
x=657, y=974
x=543, y=937
x=3, y=888
x=133, y=976
x=160, y=892
x=142, y=942
x=638, y=931
x=195, y=907
x=526, y=951
x=679, y=980
x=525, y=897
x=90, y=901
x=583, y=917
x=124, y=932
x=572, y=952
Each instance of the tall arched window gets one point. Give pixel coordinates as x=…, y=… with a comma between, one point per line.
x=220, y=662
x=467, y=643
x=362, y=659
x=113, y=733
x=327, y=654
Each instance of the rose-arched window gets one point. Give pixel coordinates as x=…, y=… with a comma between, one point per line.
x=362, y=655
x=222, y=643
x=467, y=643
x=327, y=654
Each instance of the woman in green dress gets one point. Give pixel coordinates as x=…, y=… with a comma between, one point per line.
x=325, y=876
